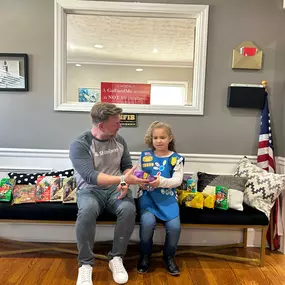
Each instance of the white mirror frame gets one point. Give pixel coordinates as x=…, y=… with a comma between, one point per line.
x=198, y=12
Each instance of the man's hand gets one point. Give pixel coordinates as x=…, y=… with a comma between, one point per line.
x=130, y=178
x=123, y=190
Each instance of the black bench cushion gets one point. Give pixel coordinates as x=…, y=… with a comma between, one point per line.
x=249, y=216
x=68, y=212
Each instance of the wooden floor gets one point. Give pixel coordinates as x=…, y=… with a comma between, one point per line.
x=61, y=269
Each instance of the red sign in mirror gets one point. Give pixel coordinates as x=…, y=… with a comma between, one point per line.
x=125, y=93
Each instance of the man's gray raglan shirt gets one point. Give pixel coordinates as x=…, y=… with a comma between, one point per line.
x=91, y=156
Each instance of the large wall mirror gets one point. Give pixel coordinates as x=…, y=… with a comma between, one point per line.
x=147, y=58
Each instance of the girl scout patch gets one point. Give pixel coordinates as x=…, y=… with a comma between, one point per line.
x=147, y=158
x=173, y=160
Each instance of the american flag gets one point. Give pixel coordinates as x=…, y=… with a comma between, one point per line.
x=265, y=160
x=265, y=154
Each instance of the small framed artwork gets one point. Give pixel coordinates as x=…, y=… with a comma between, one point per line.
x=91, y=95
x=14, y=72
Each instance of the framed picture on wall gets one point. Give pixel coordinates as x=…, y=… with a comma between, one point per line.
x=91, y=95
x=14, y=72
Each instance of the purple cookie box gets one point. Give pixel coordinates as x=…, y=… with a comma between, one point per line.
x=140, y=174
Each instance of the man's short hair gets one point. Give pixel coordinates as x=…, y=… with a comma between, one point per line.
x=101, y=112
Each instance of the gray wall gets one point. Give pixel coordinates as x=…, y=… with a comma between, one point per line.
x=281, y=83
x=277, y=92
x=27, y=120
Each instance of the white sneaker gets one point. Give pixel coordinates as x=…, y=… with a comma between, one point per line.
x=120, y=274
x=84, y=275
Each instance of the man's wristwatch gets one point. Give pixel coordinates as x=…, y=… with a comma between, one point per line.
x=123, y=182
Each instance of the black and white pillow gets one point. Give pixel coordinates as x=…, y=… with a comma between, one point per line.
x=236, y=185
x=262, y=188
x=229, y=181
x=31, y=178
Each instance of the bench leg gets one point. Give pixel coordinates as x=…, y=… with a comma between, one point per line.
x=262, y=247
x=271, y=225
x=245, y=238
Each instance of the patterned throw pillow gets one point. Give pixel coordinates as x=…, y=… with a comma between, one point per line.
x=262, y=188
x=229, y=181
x=236, y=186
x=31, y=178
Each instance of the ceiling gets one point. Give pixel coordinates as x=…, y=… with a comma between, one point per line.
x=130, y=39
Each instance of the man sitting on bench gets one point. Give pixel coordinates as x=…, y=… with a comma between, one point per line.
x=101, y=161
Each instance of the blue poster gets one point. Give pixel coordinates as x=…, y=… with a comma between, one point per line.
x=89, y=95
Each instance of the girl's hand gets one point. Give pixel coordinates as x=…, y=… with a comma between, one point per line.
x=155, y=183
x=144, y=186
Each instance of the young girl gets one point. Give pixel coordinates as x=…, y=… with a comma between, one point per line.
x=158, y=198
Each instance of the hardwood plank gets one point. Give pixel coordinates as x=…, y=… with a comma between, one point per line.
x=194, y=270
x=50, y=268
x=218, y=272
x=250, y=274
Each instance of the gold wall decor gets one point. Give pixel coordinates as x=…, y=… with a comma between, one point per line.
x=247, y=56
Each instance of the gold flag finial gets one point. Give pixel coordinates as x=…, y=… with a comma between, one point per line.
x=264, y=83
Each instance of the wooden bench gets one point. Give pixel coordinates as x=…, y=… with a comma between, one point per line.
x=54, y=213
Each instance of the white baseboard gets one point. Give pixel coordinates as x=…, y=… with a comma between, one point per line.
x=31, y=160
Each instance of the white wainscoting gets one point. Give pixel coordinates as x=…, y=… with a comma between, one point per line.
x=31, y=160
